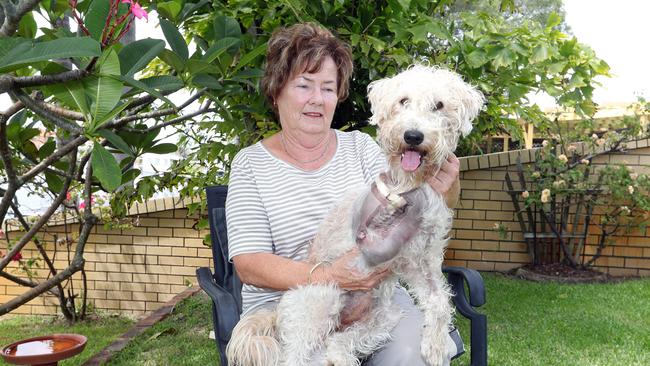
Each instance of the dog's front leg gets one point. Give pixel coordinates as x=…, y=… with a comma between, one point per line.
x=431, y=291
x=306, y=316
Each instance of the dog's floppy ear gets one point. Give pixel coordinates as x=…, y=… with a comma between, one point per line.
x=377, y=91
x=471, y=103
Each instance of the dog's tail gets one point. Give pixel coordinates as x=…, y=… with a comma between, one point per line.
x=254, y=341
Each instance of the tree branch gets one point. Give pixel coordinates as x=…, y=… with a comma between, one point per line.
x=44, y=217
x=180, y=119
x=13, y=14
x=12, y=181
x=44, y=113
x=8, y=82
x=44, y=164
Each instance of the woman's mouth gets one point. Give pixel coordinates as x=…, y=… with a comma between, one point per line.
x=313, y=114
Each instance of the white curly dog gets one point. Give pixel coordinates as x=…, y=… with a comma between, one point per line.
x=399, y=221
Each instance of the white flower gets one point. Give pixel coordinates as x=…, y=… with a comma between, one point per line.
x=594, y=137
x=625, y=210
x=545, y=143
x=536, y=174
x=559, y=183
x=634, y=176
x=496, y=226
x=600, y=142
x=545, y=195
x=585, y=161
x=563, y=158
x=525, y=194
x=630, y=189
x=572, y=148
x=603, y=129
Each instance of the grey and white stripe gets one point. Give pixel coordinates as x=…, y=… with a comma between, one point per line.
x=274, y=207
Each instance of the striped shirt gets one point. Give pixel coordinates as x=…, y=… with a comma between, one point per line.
x=275, y=207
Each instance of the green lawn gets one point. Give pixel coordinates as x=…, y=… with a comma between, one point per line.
x=552, y=324
x=100, y=331
x=529, y=324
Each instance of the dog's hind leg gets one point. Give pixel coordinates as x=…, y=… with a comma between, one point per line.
x=253, y=341
x=306, y=316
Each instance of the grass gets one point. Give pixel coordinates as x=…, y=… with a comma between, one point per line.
x=100, y=331
x=528, y=323
x=180, y=339
x=556, y=324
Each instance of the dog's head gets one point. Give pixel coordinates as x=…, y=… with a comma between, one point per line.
x=421, y=113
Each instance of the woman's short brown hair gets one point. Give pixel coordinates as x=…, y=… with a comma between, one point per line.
x=302, y=48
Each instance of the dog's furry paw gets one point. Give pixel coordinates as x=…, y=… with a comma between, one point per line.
x=439, y=353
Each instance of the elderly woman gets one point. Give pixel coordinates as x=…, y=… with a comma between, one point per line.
x=282, y=187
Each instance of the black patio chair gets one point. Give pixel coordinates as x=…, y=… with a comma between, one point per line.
x=224, y=287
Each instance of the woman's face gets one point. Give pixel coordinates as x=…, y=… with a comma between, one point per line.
x=307, y=102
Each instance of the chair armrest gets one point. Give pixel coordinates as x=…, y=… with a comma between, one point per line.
x=474, y=282
x=226, y=314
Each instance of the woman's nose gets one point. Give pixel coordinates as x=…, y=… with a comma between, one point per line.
x=316, y=97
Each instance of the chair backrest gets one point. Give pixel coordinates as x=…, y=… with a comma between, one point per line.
x=224, y=271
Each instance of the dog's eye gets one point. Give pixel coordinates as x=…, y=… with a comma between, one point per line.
x=404, y=101
x=439, y=105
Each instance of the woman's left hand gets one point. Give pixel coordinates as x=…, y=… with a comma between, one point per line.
x=446, y=181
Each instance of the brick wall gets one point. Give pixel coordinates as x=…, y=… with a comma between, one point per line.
x=137, y=270
x=484, y=203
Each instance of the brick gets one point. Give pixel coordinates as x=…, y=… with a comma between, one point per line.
x=465, y=204
x=95, y=257
x=462, y=224
x=172, y=280
x=153, y=306
x=467, y=254
x=187, y=233
x=145, y=240
x=107, y=248
x=490, y=185
x=102, y=230
x=621, y=251
x=637, y=263
x=487, y=205
x=498, y=216
x=159, y=231
x=190, y=223
x=134, y=287
x=97, y=294
x=178, y=242
x=469, y=234
x=181, y=213
x=120, y=239
x=471, y=214
x=119, y=258
x=470, y=194
x=134, y=268
x=161, y=269
x=133, y=305
x=196, y=243
x=145, y=296
x=196, y=262
x=163, y=214
x=106, y=304
x=512, y=247
x=505, y=267
x=499, y=196
x=204, y=252
x=623, y=271
x=484, y=245
x=453, y=262
x=480, y=266
x=477, y=175
x=123, y=277
x=134, y=249
x=177, y=289
x=169, y=261
x=184, y=252
x=188, y=271
x=97, y=238
x=172, y=223
x=159, y=250
x=156, y=287
x=107, y=267
x=145, y=277
x=165, y=297
x=148, y=221
x=143, y=259
x=100, y=285
x=495, y=256
x=519, y=258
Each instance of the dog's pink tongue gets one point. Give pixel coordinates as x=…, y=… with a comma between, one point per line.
x=410, y=160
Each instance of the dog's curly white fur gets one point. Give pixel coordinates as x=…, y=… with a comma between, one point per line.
x=420, y=113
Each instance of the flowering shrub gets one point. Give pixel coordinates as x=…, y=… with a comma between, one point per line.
x=568, y=193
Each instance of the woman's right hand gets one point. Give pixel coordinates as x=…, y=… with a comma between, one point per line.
x=346, y=277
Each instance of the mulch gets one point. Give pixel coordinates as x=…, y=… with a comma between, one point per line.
x=563, y=273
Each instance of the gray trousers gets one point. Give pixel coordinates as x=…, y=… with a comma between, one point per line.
x=404, y=349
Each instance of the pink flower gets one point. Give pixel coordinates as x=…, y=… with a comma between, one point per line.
x=68, y=196
x=137, y=10
x=18, y=256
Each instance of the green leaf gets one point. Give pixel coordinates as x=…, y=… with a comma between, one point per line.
x=540, y=53
x=476, y=58
x=250, y=56
x=109, y=116
x=54, y=183
x=219, y=47
x=95, y=18
x=116, y=141
x=163, y=83
x=172, y=59
x=105, y=168
x=104, y=91
x=27, y=26
x=137, y=55
x=164, y=148
x=27, y=52
x=72, y=94
x=142, y=86
x=553, y=20
x=225, y=27
x=207, y=81
x=169, y=9
x=47, y=149
x=130, y=175
x=502, y=56
x=175, y=39
x=8, y=44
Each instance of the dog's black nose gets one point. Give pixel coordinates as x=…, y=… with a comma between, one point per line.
x=413, y=137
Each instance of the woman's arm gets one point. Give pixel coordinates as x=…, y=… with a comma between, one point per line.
x=280, y=273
